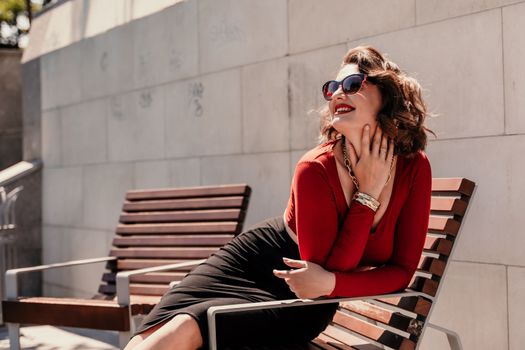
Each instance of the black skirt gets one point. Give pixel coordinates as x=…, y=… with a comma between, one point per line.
x=241, y=272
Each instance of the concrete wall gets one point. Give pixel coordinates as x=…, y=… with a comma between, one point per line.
x=218, y=91
x=10, y=108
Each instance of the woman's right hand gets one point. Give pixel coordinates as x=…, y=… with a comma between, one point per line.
x=372, y=168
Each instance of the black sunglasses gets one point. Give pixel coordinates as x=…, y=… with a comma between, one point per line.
x=351, y=84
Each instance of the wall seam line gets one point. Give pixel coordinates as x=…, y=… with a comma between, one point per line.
x=503, y=73
x=507, y=305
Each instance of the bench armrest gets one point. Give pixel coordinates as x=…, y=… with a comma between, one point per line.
x=214, y=310
x=11, y=276
x=122, y=281
x=453, y=338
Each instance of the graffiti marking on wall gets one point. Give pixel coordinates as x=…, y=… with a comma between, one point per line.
x=196, y=94
x=224, y=33
x=104, y=61
x=145, y=99
x=116, y=107
x=175, y=59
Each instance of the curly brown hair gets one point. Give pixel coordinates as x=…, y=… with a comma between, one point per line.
x=403, y=110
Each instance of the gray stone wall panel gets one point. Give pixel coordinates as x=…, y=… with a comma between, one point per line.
x=203, y=116
x=307, y=74
x=314, y=24
x=233, y=33
x=84, y=133
x=103, y=189
x=516, y=305
x=471, y=295
x=166, y=45
x=136, y=125
x=513, y=53
x=494, y=163
x=265, y=101
x=62, y=196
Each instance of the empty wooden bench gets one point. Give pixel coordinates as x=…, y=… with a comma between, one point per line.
x=392, y=321
x=160, y=230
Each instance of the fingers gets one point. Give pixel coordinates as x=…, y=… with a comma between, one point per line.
x=384, y=147
x=295, y=263
x=376, y=142
x=390, y=153
x=365, y=140
x=284, y=274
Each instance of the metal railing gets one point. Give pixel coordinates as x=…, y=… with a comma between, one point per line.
x=10, y=226
x=7, y=208
x=8, y=256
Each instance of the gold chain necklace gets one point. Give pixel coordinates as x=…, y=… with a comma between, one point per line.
x=347, y=165
x=351, y=172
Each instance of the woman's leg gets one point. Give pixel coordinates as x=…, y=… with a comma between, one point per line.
x=181, y=332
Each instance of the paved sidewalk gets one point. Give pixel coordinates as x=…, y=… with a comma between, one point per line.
x=53, y=338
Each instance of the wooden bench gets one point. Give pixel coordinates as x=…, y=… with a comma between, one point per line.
x=160, y=230
x=391, y=321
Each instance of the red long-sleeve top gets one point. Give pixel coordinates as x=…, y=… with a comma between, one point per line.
x=339, y=238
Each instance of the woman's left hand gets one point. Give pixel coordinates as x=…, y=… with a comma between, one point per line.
x=308, y=280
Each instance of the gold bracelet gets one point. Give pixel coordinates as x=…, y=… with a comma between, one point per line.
x=367, y=200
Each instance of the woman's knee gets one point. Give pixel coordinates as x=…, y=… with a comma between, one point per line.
x=139, y=338
x=188, y=325
x=182, y=331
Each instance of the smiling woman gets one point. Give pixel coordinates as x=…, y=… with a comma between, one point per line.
x=355, y=223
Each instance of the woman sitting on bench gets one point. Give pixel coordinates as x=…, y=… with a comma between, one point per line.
x=355, y=223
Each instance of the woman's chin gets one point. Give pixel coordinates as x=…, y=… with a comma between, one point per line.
x=342, y=124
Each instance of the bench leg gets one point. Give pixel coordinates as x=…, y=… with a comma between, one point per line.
x=14, y=336
x=453, y=337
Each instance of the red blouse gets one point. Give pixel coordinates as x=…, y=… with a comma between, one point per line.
x=340, y=238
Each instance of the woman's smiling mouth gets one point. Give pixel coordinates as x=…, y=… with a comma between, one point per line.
x=342, y=109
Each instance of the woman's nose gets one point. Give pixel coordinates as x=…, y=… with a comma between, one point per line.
x=339, y=92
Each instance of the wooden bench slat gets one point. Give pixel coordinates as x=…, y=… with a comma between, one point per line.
x=136, y=288
x=461, y=185
x=148, y=289
x=183, y=215
x=382, y=315
x=432, y=266
x=132, y=264
x=424, y=285
x=162, y=252
x=325, y=342
x=444, y=225
x=438, y=245
x=350, y=337
x=185, y=192
x=178, y=240
x=182, y=228
x=86, y=313
x=416, y=304
x=448, y=205
x=179, y=204
x=373, y=332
